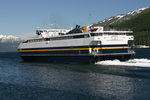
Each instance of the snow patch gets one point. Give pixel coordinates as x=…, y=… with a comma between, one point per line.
x=9, y=38
x=119, y=16
x=122, y=17
x=137, y=11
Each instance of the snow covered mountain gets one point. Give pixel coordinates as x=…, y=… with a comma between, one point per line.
x=9, y=39
x=9, y=43
x=121, y=17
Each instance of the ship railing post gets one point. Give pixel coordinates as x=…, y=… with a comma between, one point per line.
x=90, y=50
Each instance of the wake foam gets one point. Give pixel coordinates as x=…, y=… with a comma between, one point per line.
x=131, y=62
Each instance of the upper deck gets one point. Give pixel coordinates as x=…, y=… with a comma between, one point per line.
x=64, y=34
x=94, y=31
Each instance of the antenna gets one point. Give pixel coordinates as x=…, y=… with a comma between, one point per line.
x=48, y=21
x=90, y=18
x=55, y=24
x=49, y=25
x=38, y=26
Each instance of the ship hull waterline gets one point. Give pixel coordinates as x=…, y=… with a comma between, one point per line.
x=72, y=58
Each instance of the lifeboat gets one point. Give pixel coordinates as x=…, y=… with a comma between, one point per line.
x=93, y=29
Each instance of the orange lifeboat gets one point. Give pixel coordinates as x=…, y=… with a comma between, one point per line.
x=93, y=29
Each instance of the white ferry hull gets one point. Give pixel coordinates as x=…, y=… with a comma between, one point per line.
x=78, y=47
x=80, y=54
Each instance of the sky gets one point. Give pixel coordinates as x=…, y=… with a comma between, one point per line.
x=22, y=17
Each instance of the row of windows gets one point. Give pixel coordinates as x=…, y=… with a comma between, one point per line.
x=58, y=38
x=73, y=37
x=100, y=34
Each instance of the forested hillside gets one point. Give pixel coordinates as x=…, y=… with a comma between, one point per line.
x=139, y=24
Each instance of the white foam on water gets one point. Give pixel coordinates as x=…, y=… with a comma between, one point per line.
x=132, y=62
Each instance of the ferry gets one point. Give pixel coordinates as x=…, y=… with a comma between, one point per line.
x=88, y=44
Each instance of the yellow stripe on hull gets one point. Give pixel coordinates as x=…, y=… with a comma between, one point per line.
x=115, y=47
x=71, y=49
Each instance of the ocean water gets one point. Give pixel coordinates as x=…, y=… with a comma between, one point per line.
x=105, y=80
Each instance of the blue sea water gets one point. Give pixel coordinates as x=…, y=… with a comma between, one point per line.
x=105, y=80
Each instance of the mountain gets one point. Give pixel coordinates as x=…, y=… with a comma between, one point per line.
x=138, y=21
x=9, y=43
x=9, y=39
x=120, y=18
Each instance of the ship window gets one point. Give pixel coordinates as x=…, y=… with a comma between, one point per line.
x=78, y=36
x=96, y=34
x=58, y=38
x=86, y=36
x=25, y=41
x=37, y=32
x=70, y=37
x=47, y=39
x=129, y=34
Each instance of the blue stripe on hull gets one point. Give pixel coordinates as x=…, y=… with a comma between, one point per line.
x=114, y=51
x=59, y=52
x=76, y=59
x=103, y=51
x=79, y=59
